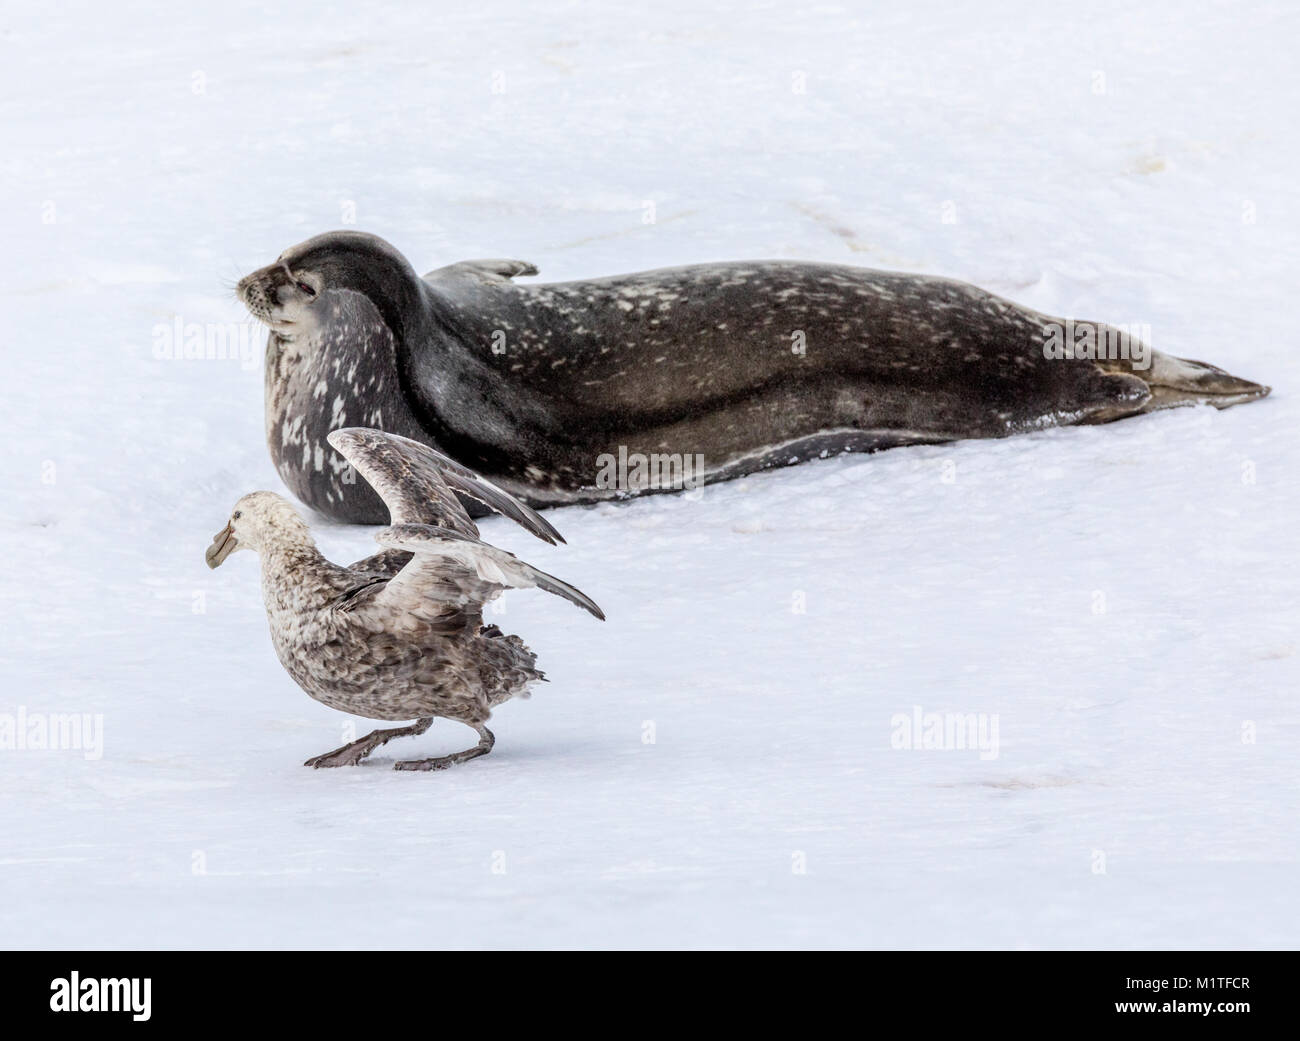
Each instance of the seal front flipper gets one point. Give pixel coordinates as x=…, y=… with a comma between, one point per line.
x=489, y=270
x=1108, y=396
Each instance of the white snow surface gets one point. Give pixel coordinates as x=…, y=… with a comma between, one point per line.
x=1121, y=598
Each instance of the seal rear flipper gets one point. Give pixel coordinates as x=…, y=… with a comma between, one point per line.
x=1180, y=381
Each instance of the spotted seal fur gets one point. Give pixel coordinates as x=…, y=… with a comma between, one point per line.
x=741, y=365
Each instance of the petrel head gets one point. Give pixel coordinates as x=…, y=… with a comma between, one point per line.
x=257, y=519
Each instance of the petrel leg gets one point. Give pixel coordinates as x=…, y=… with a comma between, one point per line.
x=350, y=755
x=484, y=746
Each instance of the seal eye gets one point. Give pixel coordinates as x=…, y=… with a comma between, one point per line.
x=305, y=288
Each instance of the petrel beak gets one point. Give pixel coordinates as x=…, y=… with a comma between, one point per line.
x=222, y=546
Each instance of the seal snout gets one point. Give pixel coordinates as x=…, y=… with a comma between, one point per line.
x=277, y=298
x=264, y=304
x=254, y=294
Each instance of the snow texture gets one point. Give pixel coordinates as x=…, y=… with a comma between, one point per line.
x=714, y=766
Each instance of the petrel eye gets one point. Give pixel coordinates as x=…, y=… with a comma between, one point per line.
x=306, y=288
x=236, y=515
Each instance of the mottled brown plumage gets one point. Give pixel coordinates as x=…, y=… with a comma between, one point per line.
x=398, y=635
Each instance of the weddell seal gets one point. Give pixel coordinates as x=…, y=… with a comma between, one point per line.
x=563, y=392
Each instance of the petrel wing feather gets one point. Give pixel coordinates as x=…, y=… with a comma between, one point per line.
x=446, y=563
x=416, y=483
x=406, y=476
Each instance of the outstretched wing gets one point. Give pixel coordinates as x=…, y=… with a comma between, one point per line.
x=432, y=550
x=416, y=483
x=406, y=475
x=448, y=566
